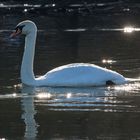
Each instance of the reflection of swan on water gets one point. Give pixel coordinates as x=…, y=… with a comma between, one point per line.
x=28, y=115
x=77, y=99
x=72, y=75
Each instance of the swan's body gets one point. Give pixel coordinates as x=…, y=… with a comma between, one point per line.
x=79, y=74
x=72, y=75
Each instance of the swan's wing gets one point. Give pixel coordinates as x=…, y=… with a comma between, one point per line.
x=81, y=75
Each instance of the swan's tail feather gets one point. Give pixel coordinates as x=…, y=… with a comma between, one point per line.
x=132, y=80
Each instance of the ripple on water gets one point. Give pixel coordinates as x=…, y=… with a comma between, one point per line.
x=122, y=98
x=111, y=99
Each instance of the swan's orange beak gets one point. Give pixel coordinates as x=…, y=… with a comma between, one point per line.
x=16, y=33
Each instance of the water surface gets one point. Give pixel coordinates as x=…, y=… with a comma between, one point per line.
x=99, y=113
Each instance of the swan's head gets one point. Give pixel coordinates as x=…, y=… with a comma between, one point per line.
x=25, y=27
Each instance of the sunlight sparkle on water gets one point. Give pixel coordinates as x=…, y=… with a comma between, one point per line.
x=68, y=95
x=17, y=86
x=108, y=61
x=127, y=87
x=130, y=29
x=14, y=94
x=53, y=5
x=2, y=139
x=25, y=4
x=44, y=95
x=25, y=10
x=126, y=29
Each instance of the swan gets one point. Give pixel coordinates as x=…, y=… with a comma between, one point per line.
x=70, y=75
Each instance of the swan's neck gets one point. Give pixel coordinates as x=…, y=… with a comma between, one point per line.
x=27, y=74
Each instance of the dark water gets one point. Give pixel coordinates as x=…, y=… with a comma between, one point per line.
x=98, y=113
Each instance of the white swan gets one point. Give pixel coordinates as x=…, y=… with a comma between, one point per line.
x=72, y=75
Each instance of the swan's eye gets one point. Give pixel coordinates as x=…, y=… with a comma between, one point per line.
x=18, y=31
x=20, y=27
